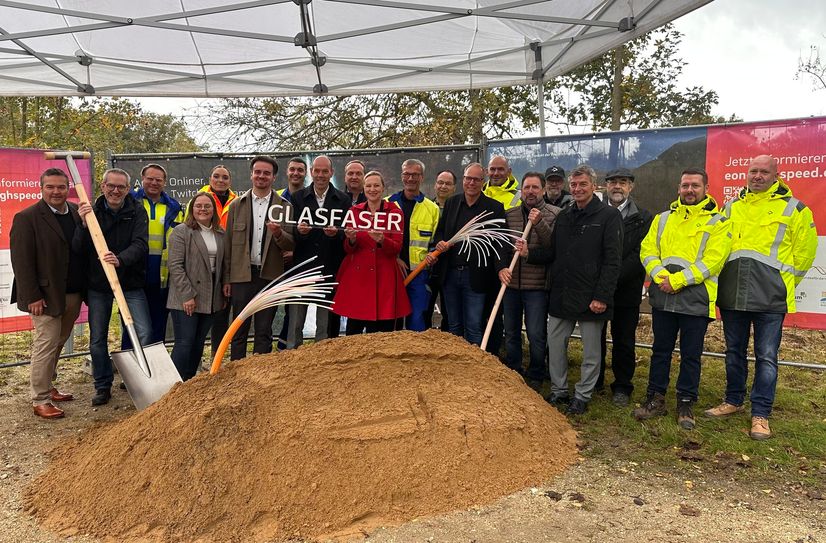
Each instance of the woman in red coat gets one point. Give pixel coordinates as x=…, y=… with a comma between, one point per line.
x=371, y=291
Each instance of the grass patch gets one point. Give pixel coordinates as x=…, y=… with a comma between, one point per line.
x=796, y=452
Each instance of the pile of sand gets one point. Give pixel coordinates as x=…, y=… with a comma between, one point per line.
x=331, y=439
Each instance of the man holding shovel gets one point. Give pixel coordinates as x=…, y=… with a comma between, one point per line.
x=125, y=228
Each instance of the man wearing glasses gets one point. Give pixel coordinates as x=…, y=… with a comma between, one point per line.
x=555, y=194
x=466, y=279
x=125, y=226
x=421, y=216
x=163, y=213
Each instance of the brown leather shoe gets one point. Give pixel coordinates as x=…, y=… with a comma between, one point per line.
x=58, y=396
x=48, y=411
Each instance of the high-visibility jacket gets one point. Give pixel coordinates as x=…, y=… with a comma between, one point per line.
x=222, y=209
x=507, y=193
x=689, y=245
x=773, y=246
x=163, y=217
x=422, y=226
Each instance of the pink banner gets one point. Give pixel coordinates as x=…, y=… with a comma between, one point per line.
x=20, y=171
x=800, y=148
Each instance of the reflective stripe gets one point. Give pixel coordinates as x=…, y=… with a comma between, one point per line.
x=418, y=243
x=767, y=260
x=648, y=260
x=703, y=269
x=690, y=278
x=676, y=260
x=515, y=200
x=661, y=227
x=657, y=270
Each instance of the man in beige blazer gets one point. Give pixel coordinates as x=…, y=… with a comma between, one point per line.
x=253, y=253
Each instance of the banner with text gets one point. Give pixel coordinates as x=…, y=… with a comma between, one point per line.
x=657, y=157
x=190, y=172
x=20, y=171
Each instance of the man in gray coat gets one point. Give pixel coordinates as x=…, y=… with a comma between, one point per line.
x=527, y=292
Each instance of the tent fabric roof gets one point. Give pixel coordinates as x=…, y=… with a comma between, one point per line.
x=204, y=48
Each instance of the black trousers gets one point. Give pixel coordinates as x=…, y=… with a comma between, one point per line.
x=242, y=293
x=356, y=326
x=623, y=356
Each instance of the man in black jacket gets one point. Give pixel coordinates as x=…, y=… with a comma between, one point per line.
x=635, y=225
x=326, y=244
x=465, y=281
x=125, y=226
x=585, y=258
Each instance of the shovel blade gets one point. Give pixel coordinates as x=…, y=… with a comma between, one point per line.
x=142, y=388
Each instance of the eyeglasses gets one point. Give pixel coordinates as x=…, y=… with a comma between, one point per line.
x=469, y=179
x=411, y=174
x=112, y=187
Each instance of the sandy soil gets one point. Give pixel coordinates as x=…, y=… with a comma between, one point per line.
x=602, y=499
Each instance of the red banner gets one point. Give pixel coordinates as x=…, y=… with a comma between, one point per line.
x=800, y=149
x=20, y=171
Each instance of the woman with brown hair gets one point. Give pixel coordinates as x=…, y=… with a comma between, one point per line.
x=196, y=251
x=371, y=291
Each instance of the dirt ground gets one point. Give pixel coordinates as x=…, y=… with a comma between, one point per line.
x=603, y=499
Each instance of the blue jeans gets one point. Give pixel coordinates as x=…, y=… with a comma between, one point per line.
x=465, y=306
x=692, y=330
x=419, y=297
x=190, y=339
x=534, y=305
x=768, y=330
x=100, y=312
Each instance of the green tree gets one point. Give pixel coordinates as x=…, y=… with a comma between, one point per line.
x=99, y=125
x=634, y=86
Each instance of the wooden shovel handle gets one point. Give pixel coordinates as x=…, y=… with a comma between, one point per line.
x=100, y=243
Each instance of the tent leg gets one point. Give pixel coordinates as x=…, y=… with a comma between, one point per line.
x=540, y=103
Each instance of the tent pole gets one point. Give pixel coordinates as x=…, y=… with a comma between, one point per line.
x=540, y=103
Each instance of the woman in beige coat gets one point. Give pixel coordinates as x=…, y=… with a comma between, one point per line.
x=196, y=251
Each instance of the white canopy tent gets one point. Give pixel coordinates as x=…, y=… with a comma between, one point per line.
x=211, y=48
x=204, y=48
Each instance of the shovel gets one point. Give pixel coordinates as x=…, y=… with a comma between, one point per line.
x=147, y=371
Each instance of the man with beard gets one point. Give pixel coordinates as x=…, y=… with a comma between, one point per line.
x=628, y=295
x=527, y=292
x=683, y=252
x=554, y=193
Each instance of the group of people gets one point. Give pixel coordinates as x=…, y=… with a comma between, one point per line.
x=584, y=261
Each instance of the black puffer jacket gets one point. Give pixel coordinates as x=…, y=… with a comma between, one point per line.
x=585, y=259
x=127, y=234
x=632, y=274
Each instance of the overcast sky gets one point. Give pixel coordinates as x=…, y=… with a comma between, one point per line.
x=746, y=50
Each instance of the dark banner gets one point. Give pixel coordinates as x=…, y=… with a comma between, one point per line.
x=187, y=173
x=657, y=157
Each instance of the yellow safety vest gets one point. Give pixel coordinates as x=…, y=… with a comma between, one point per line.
x=773, y=246
x=689, y=245
x=507, y=193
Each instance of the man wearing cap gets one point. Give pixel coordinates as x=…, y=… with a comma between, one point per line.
x=554, y=193
x=627, y=296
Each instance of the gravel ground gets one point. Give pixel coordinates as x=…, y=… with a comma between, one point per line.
x=601, y=499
